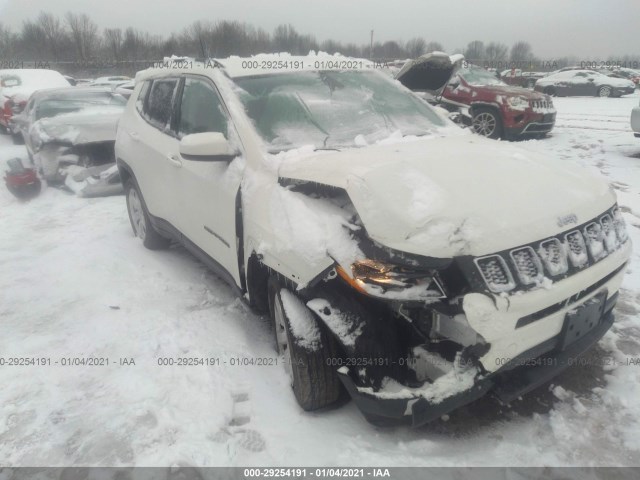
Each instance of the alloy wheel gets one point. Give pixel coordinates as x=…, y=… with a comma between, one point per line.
x=485, y=124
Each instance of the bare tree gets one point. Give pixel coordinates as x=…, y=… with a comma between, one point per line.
x=496, y=52
x=113, y=42
x=54, y=32
x=416, y=47
x=84, y=33
x=521, y=52
x=285, y=38
x=475, y=51
x=8, y=41
x=434, y=47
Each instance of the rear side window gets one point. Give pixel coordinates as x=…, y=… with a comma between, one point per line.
x=142, y=96
x=200, y=109
x=157, y=108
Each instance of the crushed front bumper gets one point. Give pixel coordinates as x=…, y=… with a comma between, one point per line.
x=517, y=377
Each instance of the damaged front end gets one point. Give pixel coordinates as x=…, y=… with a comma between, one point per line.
x=423, y=336
x=53, y=158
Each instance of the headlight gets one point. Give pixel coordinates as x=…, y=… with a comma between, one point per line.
x=381, y=279
x=518, y=102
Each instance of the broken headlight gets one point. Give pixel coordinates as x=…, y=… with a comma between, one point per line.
x=382, y=279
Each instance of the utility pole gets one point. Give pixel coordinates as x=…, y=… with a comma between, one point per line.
x=371, y=47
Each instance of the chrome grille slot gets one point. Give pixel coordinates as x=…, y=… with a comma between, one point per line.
x=595, y=240
x=554, y=256
x=619, y=225
x=577, y=249
x=496, y=273
x=528, y=265
x=609, y=233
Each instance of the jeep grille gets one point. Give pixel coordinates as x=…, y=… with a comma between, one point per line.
x=555, y=257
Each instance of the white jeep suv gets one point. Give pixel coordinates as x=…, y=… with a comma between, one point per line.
x=402, y=260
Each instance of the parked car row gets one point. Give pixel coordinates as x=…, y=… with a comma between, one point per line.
x=401, y=259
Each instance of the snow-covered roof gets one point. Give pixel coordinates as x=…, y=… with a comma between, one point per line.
x=261, y=64
x=271, y=63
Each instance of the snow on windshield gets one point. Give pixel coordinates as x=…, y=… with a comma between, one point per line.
x=331, y=109
x=479, y=77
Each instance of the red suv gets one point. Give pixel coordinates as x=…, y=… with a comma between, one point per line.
x=490, y=106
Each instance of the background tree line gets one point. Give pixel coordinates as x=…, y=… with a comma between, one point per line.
x=77, y=38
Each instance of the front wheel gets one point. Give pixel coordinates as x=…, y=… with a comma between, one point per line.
x=486, y=122
x=308, y=353
x=139, y=218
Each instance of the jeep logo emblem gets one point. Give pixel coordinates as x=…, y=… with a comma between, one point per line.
x=567, y=219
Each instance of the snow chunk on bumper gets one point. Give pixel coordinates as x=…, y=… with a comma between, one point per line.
x=446, y=386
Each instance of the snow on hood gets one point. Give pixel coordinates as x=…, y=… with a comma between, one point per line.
x=89, y=125
x=513, y=91
x=451, y=196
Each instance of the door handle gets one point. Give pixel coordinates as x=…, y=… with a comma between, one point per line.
x=175, y=161
x=134, y=136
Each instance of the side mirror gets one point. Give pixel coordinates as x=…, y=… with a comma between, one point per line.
x=206, y=147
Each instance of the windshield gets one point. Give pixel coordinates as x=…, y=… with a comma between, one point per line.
x=330, y=109
x=58, y=106
x=479, y=77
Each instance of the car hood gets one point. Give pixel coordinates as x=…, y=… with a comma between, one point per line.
x=511, y=91
x=86, y=126
x=450, y=196
x=430, y=72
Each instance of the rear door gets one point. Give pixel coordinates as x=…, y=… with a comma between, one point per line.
x=207, y=189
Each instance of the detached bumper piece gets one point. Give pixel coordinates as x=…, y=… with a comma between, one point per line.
x=523, y=374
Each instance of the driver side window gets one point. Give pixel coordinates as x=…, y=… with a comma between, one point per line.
x=201, y=109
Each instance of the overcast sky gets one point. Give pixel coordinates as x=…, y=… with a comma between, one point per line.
x=589, y=29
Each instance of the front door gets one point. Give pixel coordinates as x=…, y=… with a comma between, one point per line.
x=207, y=189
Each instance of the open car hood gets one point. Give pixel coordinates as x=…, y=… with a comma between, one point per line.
x=430, y=72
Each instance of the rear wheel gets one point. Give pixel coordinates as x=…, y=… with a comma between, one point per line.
x=139, y=218
x=604, y=91
x=486, y=122
x=313, y=378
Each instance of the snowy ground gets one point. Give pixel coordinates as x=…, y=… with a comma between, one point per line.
x=75, y=283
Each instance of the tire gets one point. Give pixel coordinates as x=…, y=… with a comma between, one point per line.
x=605, y=91
x=314, y=381
x=487, y=122
x=550, y=91
x=139, y=218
